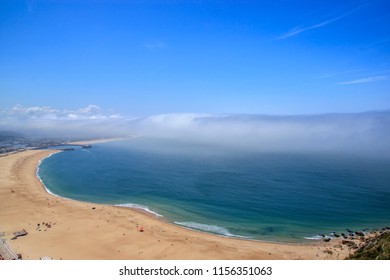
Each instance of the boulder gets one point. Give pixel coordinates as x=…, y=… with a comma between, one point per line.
x=348, y=243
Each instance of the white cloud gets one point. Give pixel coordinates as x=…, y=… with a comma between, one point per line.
x=366, y=80
x=174, y=120
x=155, y=45
x=48, y=113
x=31, y=111
x=90, y=121
x=89, y=109
x=297, y=30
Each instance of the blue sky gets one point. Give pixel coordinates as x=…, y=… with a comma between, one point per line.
x=151, y=57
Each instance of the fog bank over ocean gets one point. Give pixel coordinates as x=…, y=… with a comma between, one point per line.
x=366, y=132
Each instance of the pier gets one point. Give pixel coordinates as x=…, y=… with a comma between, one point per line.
x=66, y=147
x=6, y=252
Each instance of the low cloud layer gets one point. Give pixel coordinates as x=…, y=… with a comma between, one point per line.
x=90, y=112
x=367, y=132
x=50, y=122
x=364, y=132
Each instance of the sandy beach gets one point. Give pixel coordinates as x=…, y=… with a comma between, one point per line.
x=64, y=229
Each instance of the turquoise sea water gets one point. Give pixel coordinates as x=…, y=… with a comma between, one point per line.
x=266, y=196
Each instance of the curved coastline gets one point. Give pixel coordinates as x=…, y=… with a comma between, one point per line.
x=146, y=211
x=143, y=209
x=93, y=227
x=293, y=233
x=132, y=206
x=212, y=229
x=40, y=179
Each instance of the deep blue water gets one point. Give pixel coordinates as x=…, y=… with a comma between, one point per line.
x=267, y=196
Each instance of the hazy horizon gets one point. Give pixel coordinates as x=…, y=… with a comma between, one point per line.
x=364, y=133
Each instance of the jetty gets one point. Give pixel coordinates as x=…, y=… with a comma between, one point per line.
x=82, y=146
x=86, y=146
x=66, y=147
x=19, y=233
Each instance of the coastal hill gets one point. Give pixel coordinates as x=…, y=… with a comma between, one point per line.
x=374, y=248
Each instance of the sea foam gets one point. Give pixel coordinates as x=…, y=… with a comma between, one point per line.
x=139, y=206
x=39, y=177
x=318, y=237
x=209, y=228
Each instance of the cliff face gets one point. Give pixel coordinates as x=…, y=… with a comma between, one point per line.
x=374, y=248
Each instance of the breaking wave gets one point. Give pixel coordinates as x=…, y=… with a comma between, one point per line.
x=209, y=228
x=138, y=206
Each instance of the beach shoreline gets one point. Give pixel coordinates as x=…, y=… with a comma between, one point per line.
x=67, y=229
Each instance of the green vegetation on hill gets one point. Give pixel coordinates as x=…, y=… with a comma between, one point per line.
x=377, y=248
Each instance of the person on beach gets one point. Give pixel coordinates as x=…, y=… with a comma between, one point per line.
x=140, y=229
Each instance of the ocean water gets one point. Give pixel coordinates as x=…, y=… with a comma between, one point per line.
x=282, y=197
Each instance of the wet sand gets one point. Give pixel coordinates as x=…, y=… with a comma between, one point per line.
x=67, y=229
